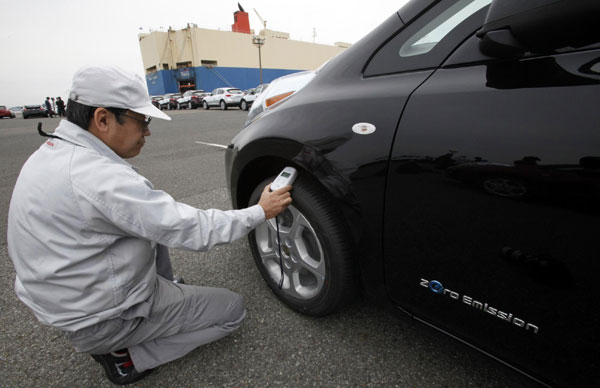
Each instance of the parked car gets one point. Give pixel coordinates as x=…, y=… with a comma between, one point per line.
x=249, y=97
x=34, y=111
x=191, y=99
x=169, y=101
x=155, y=100
x=16, y=109
x=449, y=164
x=5, y=112
x=223, y=98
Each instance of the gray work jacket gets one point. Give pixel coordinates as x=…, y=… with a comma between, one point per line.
x=83, y=227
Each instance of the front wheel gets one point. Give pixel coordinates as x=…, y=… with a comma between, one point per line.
x=189, y=105
x=205, y=105
x=319, y=274
x=243, y=105
x=223, y=105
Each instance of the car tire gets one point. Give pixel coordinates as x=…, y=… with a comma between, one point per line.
x=189, y=105
x=179, y=107
x=319, y=269
x=223, y=105
x=243, y=105
x=205, y=105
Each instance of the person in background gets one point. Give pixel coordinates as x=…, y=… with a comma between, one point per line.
x=48, y=106
x=60, y=105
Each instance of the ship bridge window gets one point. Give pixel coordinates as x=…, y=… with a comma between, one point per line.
x=208, y=63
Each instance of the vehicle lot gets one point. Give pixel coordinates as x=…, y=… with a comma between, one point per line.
x=362, y=346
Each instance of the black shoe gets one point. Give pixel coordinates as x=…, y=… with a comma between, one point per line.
x=119, y=367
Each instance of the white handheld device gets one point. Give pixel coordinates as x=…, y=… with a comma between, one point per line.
x=287, y=176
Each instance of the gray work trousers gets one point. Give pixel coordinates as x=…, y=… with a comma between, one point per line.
x=180, y=318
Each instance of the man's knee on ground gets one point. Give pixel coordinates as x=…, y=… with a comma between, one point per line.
x=237, y=310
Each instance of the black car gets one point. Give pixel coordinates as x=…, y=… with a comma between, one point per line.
x=449, y=165
x=34, y=111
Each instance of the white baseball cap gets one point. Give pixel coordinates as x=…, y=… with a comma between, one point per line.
x=112, y=87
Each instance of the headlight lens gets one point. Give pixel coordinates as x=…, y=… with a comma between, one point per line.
x=278, y=91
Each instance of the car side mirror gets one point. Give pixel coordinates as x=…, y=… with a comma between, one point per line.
x=513, y=27
x=501, y=43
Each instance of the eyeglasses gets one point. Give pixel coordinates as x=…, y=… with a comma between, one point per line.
x=144, y=122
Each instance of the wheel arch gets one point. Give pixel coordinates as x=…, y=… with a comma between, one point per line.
x=255, y=170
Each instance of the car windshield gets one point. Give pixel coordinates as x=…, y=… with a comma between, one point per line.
x=2, y=107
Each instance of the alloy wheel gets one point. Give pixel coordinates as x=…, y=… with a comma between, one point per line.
x=302, y=255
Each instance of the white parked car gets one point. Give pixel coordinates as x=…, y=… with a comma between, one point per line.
x=191, y=99
x=169, y=101
x=248, y=98
x=223, y=98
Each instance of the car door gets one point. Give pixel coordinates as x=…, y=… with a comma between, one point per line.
x=491, y=213
x=213, y=97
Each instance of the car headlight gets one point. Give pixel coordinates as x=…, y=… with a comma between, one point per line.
x=277, y=92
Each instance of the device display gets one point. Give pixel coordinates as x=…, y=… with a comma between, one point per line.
x=286, y=177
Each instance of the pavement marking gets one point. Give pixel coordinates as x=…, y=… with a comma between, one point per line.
x=212, y=144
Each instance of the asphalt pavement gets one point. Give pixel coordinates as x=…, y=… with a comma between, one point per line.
x=361, y=346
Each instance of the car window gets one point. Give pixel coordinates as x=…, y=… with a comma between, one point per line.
x=426, y=38
x=234, y=91
x=427, y=41
x=2, y=107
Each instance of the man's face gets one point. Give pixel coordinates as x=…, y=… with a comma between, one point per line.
x=128, y=138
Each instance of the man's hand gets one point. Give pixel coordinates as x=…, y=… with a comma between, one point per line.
x=275, y=202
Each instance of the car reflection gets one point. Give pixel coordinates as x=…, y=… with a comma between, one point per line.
x=333, y=175
x=544, y=73
x=576, y=185
x=529, y=178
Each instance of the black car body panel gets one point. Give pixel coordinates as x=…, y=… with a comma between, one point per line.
x=533, y=258
x=474, y=204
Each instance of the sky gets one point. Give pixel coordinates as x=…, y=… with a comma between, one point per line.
x=44, y=42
